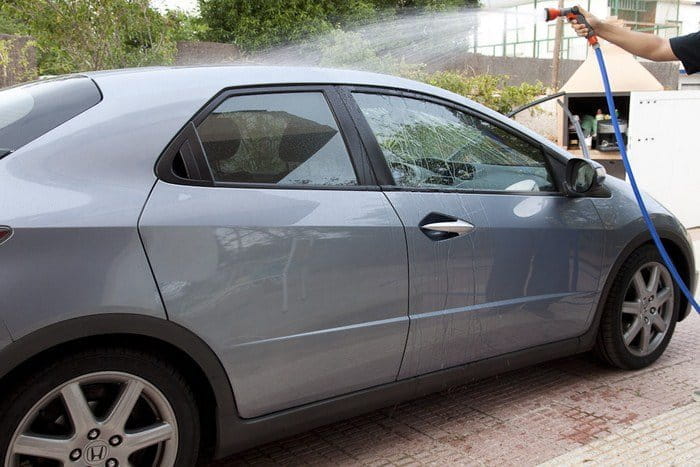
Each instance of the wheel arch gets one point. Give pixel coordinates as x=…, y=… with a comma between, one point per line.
x=169, y=340
x=685, y=263
x=682, y=257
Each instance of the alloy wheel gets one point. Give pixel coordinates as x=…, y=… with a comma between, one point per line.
x=105, y=418
x=647, y=309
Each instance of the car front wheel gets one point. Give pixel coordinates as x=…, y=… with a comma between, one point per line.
x=640, y=312
x=106, y=407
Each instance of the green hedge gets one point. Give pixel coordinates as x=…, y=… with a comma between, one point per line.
x=489, y=90
x=80, y=35
x=255, y=25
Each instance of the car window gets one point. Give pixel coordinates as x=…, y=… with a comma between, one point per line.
x=279, y=138
x=432, y=146
x=31, y=110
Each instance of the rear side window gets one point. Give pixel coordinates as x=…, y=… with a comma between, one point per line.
x=278, y=138
x=31, y=110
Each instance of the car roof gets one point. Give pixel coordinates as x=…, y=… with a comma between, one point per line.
x=205, y=81
x=224, y=76
x=158, y=86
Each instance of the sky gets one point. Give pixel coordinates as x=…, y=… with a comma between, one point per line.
x=187, y=5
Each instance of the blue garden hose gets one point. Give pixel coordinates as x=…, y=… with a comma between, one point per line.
x=623, y=152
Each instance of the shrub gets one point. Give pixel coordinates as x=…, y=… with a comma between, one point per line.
x=267, y=23
x=93, y=34
x=489, y=90
x=182, y=26
x=255, y=25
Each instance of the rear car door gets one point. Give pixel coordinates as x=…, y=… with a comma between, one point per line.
x=270, y=239
x=513, y=263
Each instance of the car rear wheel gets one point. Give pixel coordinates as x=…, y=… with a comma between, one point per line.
x=640, y=312
x=109, y=408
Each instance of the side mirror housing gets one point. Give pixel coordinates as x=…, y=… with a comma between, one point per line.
x=583, y=177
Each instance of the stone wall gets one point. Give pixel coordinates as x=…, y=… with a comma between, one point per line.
x=531, y=70
x=205, y=53
x=17, y=60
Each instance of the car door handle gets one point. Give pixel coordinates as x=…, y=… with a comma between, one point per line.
x=458, y=227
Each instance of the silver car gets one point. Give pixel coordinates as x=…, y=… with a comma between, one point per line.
x=198, y=260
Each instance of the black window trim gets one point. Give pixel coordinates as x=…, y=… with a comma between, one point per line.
x=188, y=136
x=381, y=168
x=187, y=145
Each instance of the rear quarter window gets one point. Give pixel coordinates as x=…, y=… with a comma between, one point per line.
x=31, y=110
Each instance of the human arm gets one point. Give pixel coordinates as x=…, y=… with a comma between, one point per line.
x=649, y=46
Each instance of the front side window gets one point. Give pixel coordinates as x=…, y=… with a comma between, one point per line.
x=278, y=138
x=432, y=146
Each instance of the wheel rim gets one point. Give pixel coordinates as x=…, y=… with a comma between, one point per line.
x=647, y=309
x=109, y=419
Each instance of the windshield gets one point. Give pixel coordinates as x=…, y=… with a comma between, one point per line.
x=31, y=110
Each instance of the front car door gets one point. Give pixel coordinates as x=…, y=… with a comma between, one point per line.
x=525, y=272
x=289, y=261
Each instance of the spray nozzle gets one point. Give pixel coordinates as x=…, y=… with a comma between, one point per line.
x=553, y=13
x=572, y=13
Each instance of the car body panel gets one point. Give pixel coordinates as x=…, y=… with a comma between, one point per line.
x=302, y=293
x=442, y=278
x=242, y=434
x=73, y=272
x=622, y=222
x=73, y=197
x=526, y=275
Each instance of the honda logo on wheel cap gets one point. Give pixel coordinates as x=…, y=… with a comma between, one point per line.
x=96, y=452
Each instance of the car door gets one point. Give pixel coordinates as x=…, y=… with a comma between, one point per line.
x=269, y=238
x=499, y=259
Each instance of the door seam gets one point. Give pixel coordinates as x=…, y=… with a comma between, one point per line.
x=408, y=284
x=145, y=252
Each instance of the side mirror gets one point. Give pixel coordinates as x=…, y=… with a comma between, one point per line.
x=583, y=176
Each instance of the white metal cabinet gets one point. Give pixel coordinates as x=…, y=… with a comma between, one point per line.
x=663, y=150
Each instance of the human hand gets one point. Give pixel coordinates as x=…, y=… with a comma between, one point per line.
x=582, y=29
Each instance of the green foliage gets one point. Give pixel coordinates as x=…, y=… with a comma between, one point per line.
x=254, y=25
x=266, y=23
x=182, y=26
x=489, y=90
x=401, y=6
x=9, y=23
x=76, y=35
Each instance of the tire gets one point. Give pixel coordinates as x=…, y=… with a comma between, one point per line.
x=127, y=392
x=638, y=322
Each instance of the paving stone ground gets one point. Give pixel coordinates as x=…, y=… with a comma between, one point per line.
x=672, y=438
x=567, y=412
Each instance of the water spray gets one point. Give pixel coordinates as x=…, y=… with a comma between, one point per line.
x=574, y=13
